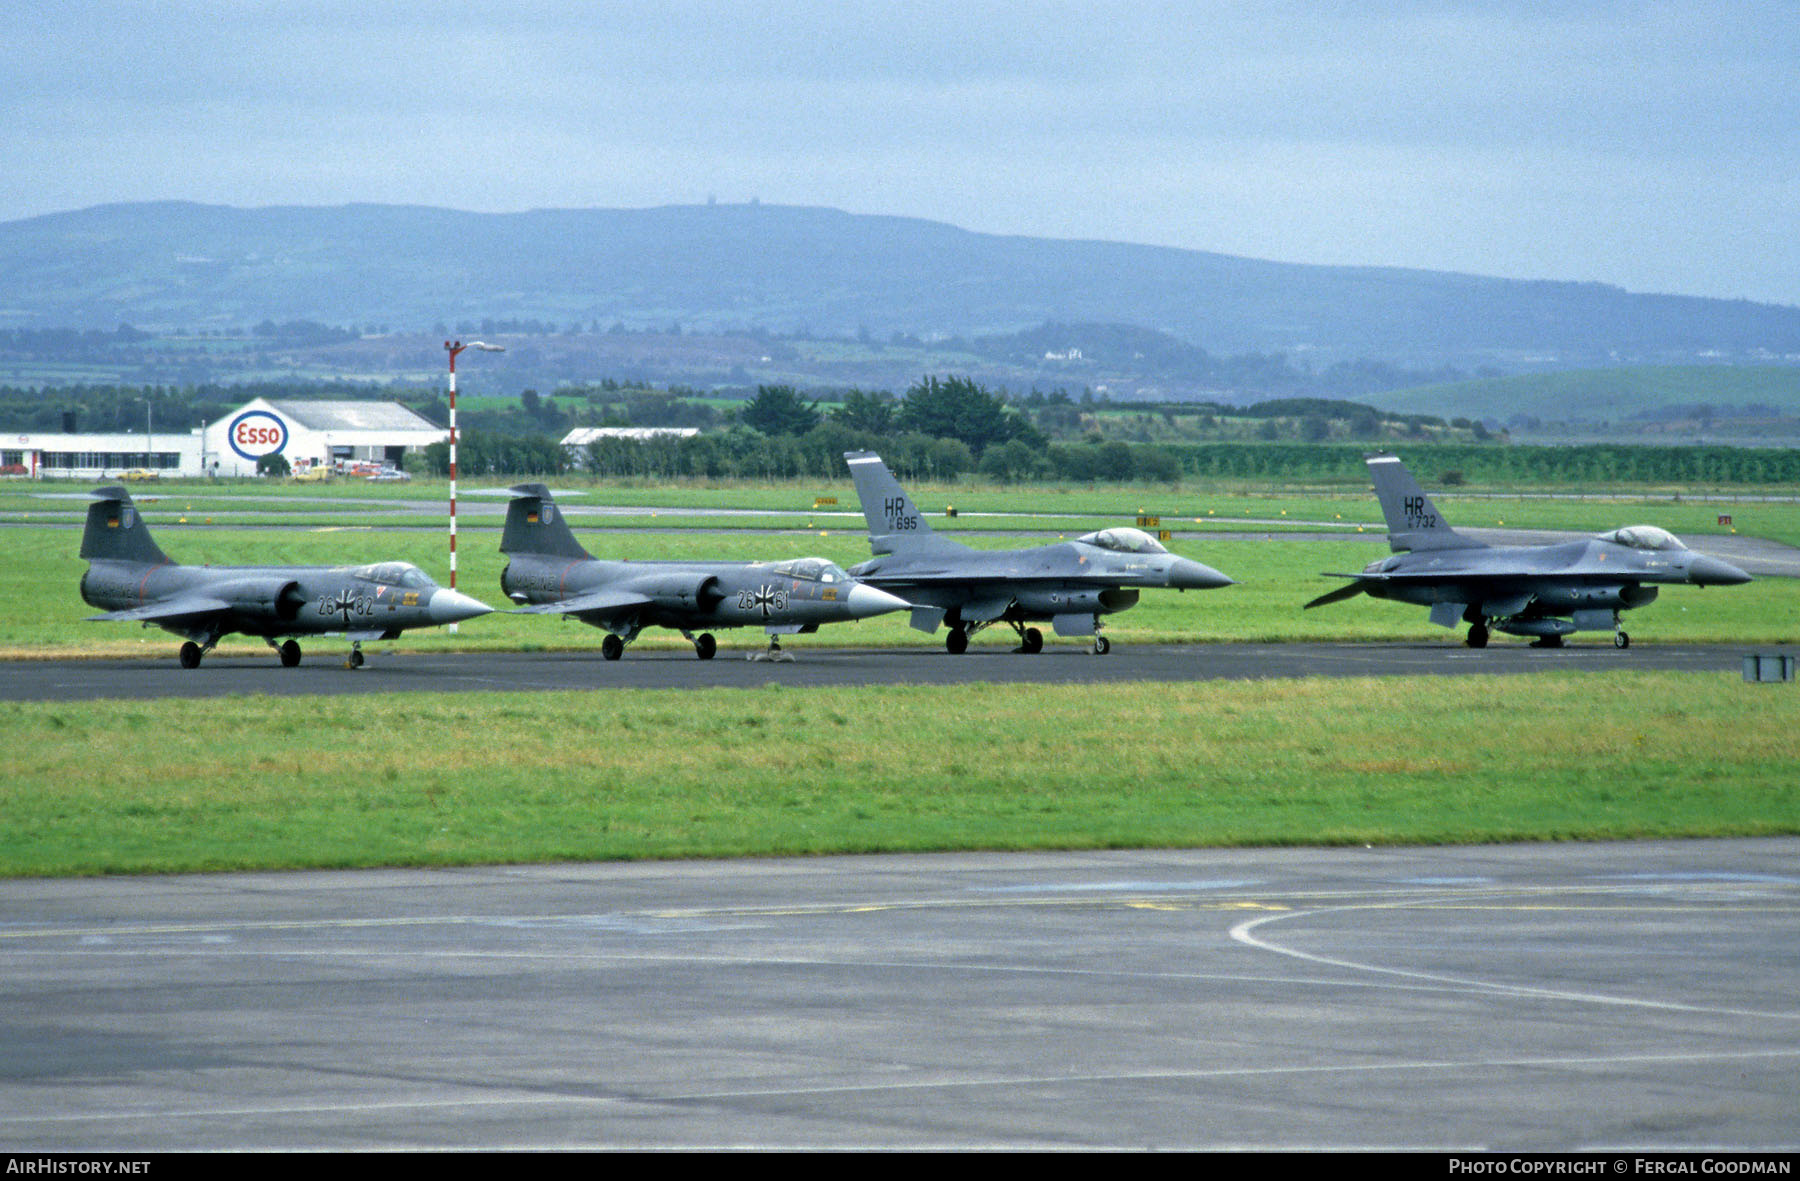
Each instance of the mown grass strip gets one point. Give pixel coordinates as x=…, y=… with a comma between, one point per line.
x=418, y=779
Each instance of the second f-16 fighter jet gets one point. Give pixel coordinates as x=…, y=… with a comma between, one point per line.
x=549, y=570
x=135, y=581
x=1070, y=584
x=1544, y=591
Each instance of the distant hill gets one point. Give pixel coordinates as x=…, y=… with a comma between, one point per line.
x=1619, y=393
x=782, y=269
x=1751, y=405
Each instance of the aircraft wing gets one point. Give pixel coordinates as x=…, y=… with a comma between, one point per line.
x=922, y=574
x=987, y=610
x=954, y=577
x=1503, y=577
x=593, y=601
x=175, y=610
x=1338, y=595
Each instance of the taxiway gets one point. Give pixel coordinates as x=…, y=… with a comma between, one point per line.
x=323, y=672
x=1572, y=997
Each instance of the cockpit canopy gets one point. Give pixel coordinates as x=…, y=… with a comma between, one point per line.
x=1125, y=540
x=403, y=574
x=1643, y=537
x=811, y=569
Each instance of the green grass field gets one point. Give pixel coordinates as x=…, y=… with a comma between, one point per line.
x=1230, y=506
x=429, y=779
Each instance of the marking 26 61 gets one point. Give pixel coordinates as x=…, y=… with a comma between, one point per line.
x=750, y=600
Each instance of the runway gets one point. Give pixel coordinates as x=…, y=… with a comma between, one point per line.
x=461, y=672
x=1552, y=997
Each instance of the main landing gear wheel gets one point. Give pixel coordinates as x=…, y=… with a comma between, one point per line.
x=1547, y=642
x=1102, y=645
x=1478, y=635
x=705, y=646
x=612, y=647
x=290, y=654
x=1621, y=640
x=957, y=642
x=356, y=656
x=190, y=655
x=1031, y=641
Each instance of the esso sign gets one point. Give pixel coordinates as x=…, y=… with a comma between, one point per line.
x=256, y=433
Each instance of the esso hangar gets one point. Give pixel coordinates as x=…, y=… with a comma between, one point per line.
x=256, y=433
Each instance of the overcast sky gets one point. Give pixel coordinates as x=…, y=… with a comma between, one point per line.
x=1651, y=145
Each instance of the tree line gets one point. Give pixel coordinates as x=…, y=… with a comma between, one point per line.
x=943, y=428
x=946, y=428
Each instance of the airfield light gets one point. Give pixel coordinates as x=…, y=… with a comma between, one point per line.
x=454, y=348
x=149, y=432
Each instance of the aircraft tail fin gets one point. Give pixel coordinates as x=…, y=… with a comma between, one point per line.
x=116, y=532
x=1413, y=522
x=895, y=523
x=534, y=525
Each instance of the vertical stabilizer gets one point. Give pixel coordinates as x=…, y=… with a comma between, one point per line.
x=1413, y=522
x=534, y=525
x=116, y=532
x=895, y=523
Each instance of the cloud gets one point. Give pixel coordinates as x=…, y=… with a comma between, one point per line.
x=1645, y=144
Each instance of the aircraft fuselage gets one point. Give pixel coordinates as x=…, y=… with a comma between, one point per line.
x=272, y=601
x=683, y=595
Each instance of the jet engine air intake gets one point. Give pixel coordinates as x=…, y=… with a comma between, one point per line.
x=279, y=599
x=685, y=589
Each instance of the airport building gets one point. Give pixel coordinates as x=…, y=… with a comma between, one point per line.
x=307, y=434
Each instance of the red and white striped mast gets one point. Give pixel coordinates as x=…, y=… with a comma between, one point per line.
x=453, y=348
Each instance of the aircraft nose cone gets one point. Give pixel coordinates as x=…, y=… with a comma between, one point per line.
x=1186, y=574
x=1705, y=571
x=864, y=601
x=448, y=606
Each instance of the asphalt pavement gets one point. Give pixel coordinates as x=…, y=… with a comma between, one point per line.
x=323, y=671
x=1568, y=997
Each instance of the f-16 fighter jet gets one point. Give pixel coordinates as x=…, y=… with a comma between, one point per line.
x=1069, y=584
x=1544, y=591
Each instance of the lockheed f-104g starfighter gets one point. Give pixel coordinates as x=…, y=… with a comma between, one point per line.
x=134, y=581
x=550, y=572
